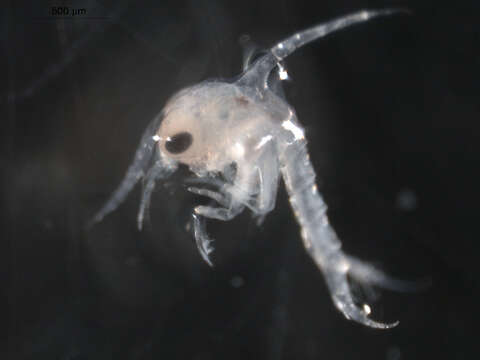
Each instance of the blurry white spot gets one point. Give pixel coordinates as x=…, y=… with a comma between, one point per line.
x=155, y=137
x=393, y=353
x=367, y=309
x=364, y=15
x=314, y=189
x=343, y=266
x=132, y=261
x=237, y=281
x=263, y=141
x=239, y=149
x=406, y=200
x=244, y=38
x=48, y=224
x=280, y=46
x=282, y=73
x=297, y=36
x=297, y=132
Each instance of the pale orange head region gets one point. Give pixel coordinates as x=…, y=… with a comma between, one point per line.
x=208, y=127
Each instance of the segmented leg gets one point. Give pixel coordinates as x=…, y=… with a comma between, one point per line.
x=320, y=240
x=231, y=198
x=214, y=195
x=203, y=241
x=229, y=211
x=157, y=171
x=135, y=172
x=219, y=213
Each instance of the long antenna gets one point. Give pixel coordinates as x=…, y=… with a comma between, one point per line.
x=258, y=73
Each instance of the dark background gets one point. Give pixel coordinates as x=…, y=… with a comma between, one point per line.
x=391, y=111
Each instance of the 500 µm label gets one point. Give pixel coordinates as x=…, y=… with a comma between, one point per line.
x=67, y=11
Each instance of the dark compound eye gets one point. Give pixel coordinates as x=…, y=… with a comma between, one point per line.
x=178, y=143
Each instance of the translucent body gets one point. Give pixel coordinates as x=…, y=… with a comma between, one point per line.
x=239, y=137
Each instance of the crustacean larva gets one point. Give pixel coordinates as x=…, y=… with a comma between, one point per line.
x=244, y=131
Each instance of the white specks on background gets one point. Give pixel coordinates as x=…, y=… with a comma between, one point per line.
x=237, y=281
x=406, y=200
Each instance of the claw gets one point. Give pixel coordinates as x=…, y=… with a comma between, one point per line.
x=202, y=240
x=353, y=312
x=343, y=299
